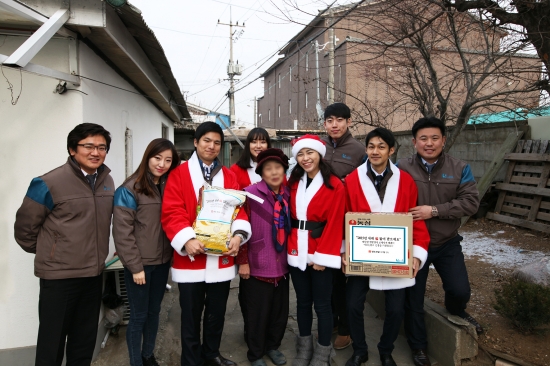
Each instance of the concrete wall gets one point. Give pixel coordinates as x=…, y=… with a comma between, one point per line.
x=540, y=127
x=477, y=145
x=33, y=142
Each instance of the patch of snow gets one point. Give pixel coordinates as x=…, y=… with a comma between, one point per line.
x=496, y=251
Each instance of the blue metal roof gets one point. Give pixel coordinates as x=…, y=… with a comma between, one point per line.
x=519, y=114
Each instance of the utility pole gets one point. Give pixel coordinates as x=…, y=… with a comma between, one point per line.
x=331, y=45
x=255, y=112
x=317, y=77
x=232, y=69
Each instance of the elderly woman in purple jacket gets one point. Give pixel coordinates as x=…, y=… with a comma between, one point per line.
x=262, y=261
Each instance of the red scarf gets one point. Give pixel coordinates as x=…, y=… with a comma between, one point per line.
x=281, y=220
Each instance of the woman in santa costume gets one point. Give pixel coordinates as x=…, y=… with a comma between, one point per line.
x=379, y=186
x=245, y=168
x=203, y=280
x=317, y=217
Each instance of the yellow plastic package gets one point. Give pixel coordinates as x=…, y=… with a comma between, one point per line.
x=217, y=209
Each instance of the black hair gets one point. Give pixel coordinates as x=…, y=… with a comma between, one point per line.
x=427, y=122
x=257, y=133
x=206, y=127
x=83, y=131
x=385, y=134
x=337, y=110
x=324, y=168
x=144, y=183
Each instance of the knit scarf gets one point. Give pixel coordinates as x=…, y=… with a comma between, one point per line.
x=281, y=220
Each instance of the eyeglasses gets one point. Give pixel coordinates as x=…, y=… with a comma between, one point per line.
x=92, y=147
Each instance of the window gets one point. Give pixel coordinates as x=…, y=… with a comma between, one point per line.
x=279, y=80
x=269, y=114
x=279, y=111
x=290, y=73
x=327, y=93
x=269, y=87
x=289, y=106
x=259, y=119
x=307, y=61
x=164, y=131
x=306, y=99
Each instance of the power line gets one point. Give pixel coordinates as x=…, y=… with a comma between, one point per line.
x=205, y=35
x=299, y=48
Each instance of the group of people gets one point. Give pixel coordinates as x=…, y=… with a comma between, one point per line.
x=295, y=234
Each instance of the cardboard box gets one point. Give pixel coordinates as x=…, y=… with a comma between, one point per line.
x=379, y=244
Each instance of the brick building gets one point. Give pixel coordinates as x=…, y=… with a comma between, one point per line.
x=372, y=70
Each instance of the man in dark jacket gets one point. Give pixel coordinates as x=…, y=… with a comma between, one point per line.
x=65, y=221
x=344, y=154
x=446, y=192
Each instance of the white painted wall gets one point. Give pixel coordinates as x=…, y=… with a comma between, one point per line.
x=33, y=142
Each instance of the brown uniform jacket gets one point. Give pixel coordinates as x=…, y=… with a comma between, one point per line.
x=450, y=187
x=346, y=156
x=137, y=231
x=65, y=223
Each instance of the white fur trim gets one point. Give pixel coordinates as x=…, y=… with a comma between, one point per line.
x=420, y=253
x=294, y=261
x=371, y=195
x=318, y=146
x=327, y=260
x=216, y=274
x=195, y=171
x=211, y=274
x=303, y=198
x=254, y=178
x=181, y=238
x=390, y=283
x=188, y=275
x=244, y=226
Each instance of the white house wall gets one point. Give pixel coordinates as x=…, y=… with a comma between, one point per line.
x=33, y=142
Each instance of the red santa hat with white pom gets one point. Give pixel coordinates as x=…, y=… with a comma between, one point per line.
x=310, y=142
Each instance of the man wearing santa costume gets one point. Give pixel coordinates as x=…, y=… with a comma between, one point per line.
x=203, y=280
x=379, y=186
x=317, y=218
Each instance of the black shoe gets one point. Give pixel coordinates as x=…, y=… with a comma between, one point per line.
x=470, y=319
x=151, y=361
x=420, y=358
x=219, y=361
x=357, y=360
x=387, y=360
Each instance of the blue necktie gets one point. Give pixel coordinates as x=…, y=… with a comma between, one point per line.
x=429, y=167
x=91, y=180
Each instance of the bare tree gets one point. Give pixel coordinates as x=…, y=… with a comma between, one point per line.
x=444, y=62
x=532, y=16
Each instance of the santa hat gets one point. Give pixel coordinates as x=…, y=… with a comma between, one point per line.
x=310, y=142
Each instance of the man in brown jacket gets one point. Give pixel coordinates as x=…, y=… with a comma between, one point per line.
x=446, y=192
x=65, y=221
x=344, y=154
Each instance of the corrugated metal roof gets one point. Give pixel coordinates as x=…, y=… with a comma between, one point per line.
x=519, y=114
x=133, y=20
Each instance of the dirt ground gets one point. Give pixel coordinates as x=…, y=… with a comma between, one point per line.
x=493, y=250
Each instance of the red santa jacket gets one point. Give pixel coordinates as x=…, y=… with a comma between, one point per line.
x=179, y=210
x=401, y=195
x=316, y=203
x=245, y=177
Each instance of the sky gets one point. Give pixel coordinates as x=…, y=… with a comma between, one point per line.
x=197, y=47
